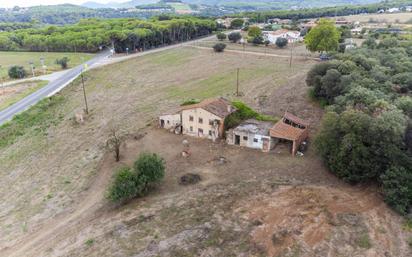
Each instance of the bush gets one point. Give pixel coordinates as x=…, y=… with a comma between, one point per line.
x=124, y=186
x=397, y=187
x=281, y=42
x=235, y=37
x=129, y=183
x=63, y=62
x=242, y=113
x=17, y=72
x=190, y=102
x=221, y=36
x=257, y=40
x=219, y=47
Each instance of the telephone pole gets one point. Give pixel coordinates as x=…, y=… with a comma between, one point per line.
x=237, y=81
x=291, y=53
x=84, y=94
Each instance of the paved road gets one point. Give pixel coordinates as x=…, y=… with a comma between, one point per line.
x=59, y=80
x=54, y=86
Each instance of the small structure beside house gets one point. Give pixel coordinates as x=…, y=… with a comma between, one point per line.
x=172, y=122
x=253, y=134
x=290, y=128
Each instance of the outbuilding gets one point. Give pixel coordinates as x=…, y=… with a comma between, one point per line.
x=251, y=133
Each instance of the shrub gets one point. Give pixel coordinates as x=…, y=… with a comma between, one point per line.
x=397, y=187
x=257, y=40
x=17, y=72
x=242, y=113
x=129, y=183
x=150, y=168
x=63, y=62
x=219, y=47
x=236, y=23
x=234, y=37
x=281, y=42
x=221, y=36
x=124, y=186
x=190, y=102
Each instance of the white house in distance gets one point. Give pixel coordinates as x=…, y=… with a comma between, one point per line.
x=291, y=35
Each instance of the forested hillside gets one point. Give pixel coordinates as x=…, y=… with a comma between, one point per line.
x=367, y=131
x=89, y=34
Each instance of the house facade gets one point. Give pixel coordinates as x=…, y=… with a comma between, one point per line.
x=290, y=35
x=206, y=119
x=170, y=121
x=253, y=134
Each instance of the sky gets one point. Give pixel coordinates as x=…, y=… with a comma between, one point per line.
x=24, y=3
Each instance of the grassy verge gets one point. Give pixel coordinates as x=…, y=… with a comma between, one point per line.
x=14, y=99
x=38, y=118
x=8, y=59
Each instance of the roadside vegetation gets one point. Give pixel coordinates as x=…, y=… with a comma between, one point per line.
x=366, y=133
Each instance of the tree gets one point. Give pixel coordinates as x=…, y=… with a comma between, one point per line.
x=221, y=36
x=236, y=23
x=63, y=62
x=219, y=47
x=323, y=38
x=124, y=186
x=281, y=42
x=235, y=37
x=150, y=169
x=370, y=43
x=257, y=40
x=254, y=31
x=17, y=72
x=113, y=144
x=128, y=183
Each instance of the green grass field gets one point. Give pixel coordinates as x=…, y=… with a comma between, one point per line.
x=181, y=7
x=8, y=59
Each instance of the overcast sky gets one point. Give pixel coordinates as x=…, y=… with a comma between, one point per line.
x=11, y=3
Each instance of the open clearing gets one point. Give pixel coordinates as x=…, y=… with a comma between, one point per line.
x=8, y=59
x=53, y=177
x=382, y=18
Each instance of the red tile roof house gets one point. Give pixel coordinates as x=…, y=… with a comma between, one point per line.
x=291, y=128
x=204, y=119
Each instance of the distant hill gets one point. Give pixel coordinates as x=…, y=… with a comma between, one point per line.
x=127, y=4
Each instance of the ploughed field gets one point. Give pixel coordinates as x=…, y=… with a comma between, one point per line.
x=53, y=175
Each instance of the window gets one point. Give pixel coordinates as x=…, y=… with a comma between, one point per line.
x=191, y=129
x=191, y=118
x=245, y=138
x=210, y=133
x=200, y=131
x=210, y=122
x=200, y=120
x=255, y=140
x=168, y=122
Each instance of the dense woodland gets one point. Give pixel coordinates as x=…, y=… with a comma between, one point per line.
x=90, y=34
x=366, y=134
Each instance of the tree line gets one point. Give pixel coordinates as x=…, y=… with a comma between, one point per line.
x=91, y=34
x=366, y=134
x=309, y=13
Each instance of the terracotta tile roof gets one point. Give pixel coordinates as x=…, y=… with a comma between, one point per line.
x=295, y=119
x=218, y=106
x=283, y=130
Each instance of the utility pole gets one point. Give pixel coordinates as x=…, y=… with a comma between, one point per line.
x=237, y=81
x=1, y=80
x=84, y=94
x=32, y=67
x=291, y=53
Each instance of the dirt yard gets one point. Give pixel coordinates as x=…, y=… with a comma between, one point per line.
x=52, y=183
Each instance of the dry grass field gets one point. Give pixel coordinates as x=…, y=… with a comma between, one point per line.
x=12, y=94
x=381, y=18
x=53, y=175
